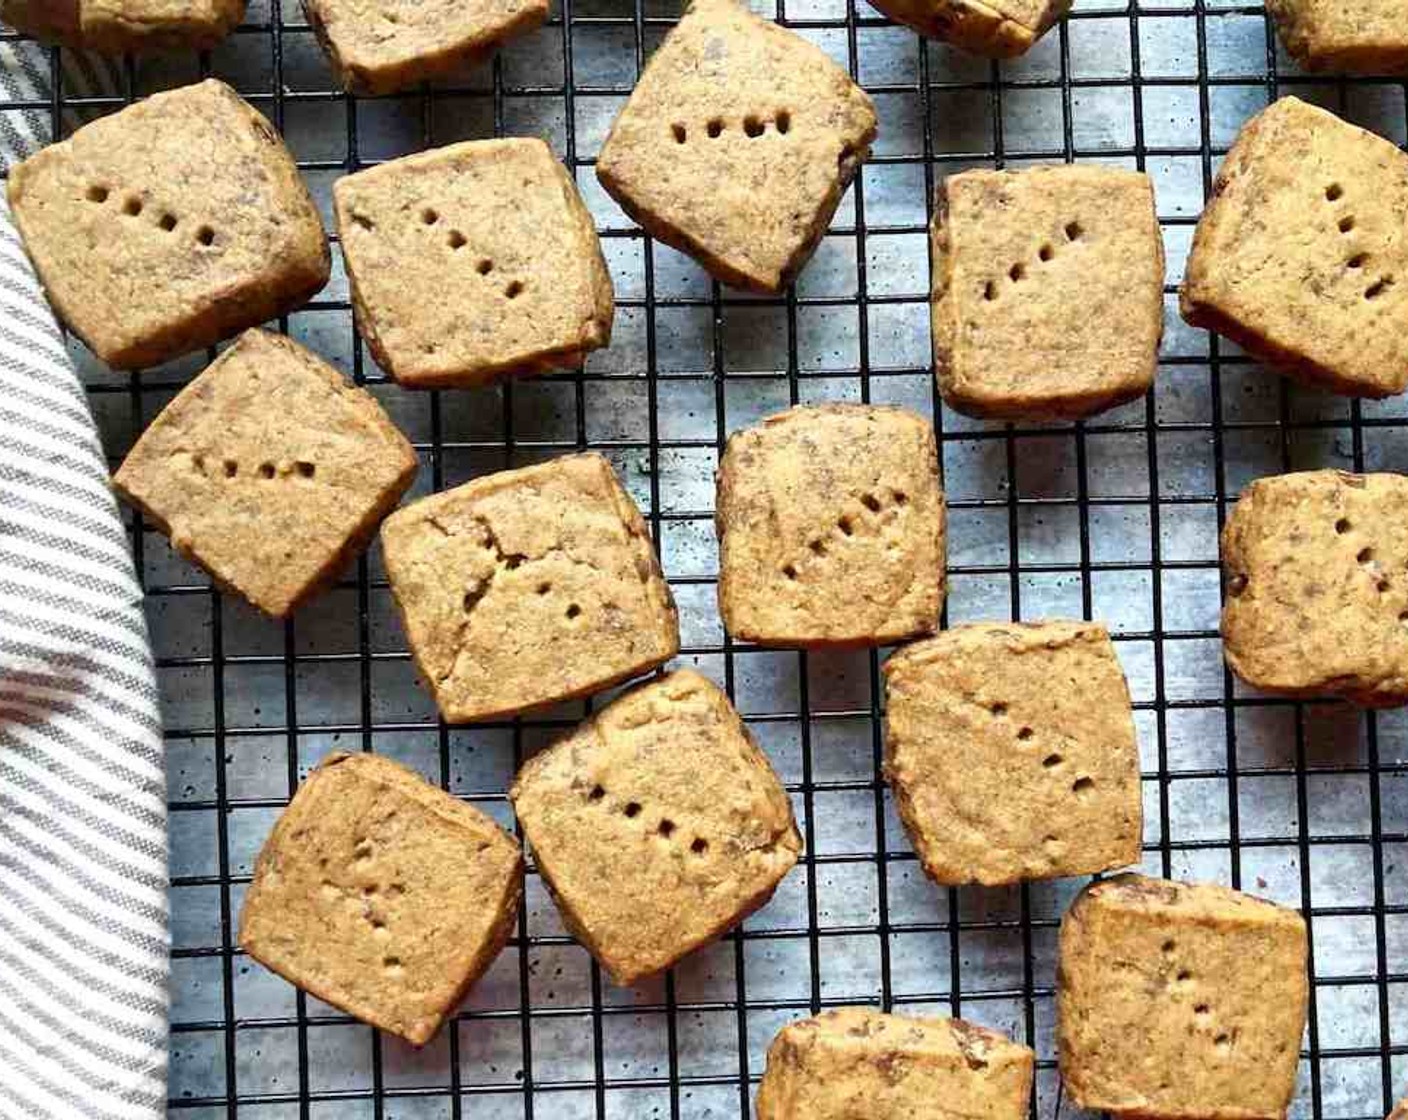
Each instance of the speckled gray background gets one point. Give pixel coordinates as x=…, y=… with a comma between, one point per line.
x=1115, y=519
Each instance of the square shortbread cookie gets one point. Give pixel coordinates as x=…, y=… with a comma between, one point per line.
x=737, y=144
x=658, y=825
x=855, y=1061
x=1180, y=1000
x=115, y=26
x=1356, y=36
x=167, y=226
x=382, y=894
x=1316, y=575
x=473, y=262
x=994, y=28
x=1010, y=748
x=269, y=470
x=1048, y=291
x=379, y=46
x=529, y=586
x=831, y=528
x=1300, y=256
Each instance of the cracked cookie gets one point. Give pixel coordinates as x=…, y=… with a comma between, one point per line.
x=1180, y=1000
x=169, y=225
x=855, y=1061
x=117, y=26
x=1299, y=257
x=381, y=894
x=1315, y=568
x=473, y=262
x=737, y=144
x=1010, y=748
x=831, y=528
x=1347, y=36
x=1048, y=291
x=269, y=470
x=657, y=825
x=527, y=587
x=992, y=28
x=380, y=46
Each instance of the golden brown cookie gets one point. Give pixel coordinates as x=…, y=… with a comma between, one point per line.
x=1300, y=256
x=1355, y=36
x=993, y=28
x=1316, y=571
x=382, y=894
x=269, y=470
x=529, y=586
x=831, y=528
x=737, y=144
x=379, y=46
x=1011, y=752
x=167, y=226
x=657, y=824
x=115, y=26
x=1180, y=1000
x=1048, y=291
x=473, y=262
x=857, y=1062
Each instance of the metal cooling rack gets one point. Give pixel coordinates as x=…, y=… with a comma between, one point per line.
x=1115, y=519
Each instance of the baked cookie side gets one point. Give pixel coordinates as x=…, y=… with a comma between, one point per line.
x=1349, y=36
x=1180, y=1000
x=170, y=225
x=1011, y=751
x=657, y=825
x=382, y=894
x=856, y=1061
x=384, y=46
x=1300, y=257
x=737, y=144
x=117, y=26
x=831, y=528
x=1315, y=601
x=992, y=28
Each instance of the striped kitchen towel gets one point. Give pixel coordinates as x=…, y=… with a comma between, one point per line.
x=83, y=915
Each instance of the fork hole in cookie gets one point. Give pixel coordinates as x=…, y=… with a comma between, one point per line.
x=901, y=498
x=205, y=235
x=789, y=571
x=845, y=525
x=752, y=127
x=1184, y=975
x=232, y=468
x=543, y=588
x=573, y=610
x=1346, y=223
x=456, y=239
x=1365, y=556
x=1018, y=273
x=1168, y=946
x=167, y=222
x=870, y=502
x=666, y=827
x=1052, y=761
x=998, y=709
x=1343, y=525
x=715, y=128
x=484, y=267
x=132, y=206
x=1359, y=260
x=514, y=289
x=1045, y=253
x=1383, y=585
x=783, y=120
x=817, y=546
x=430, y=215
x=699, y=846
x=1074, y=231
x=680, y=133
x=305, y=469
x=1333, y=192
x=1024, y=733
x=596, y=794
x=266, y=470
x=990, y=291
x=632, y=809
x=1083, y=787
x=1378, y=288
x=1201, y=1010
x=97, y=193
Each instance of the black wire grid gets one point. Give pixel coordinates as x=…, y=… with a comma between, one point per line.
x=1114, y=518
